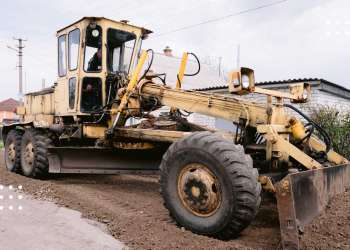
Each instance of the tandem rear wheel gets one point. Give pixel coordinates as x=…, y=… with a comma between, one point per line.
x=26, y=152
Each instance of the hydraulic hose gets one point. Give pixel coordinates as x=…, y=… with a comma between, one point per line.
x=326, y=138
x=198, y=63
x=149, y=65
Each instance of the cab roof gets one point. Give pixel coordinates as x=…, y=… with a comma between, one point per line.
x=144, y=30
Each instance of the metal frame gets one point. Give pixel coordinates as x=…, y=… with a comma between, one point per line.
x=270, y=120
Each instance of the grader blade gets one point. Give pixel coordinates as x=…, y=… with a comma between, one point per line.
x=302, y=196
x=93, y=160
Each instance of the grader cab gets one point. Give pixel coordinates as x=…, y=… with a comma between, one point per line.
x=210, y=180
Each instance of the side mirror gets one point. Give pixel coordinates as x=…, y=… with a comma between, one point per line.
x=242, y=81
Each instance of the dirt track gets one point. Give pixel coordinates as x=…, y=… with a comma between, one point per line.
x=133, y=211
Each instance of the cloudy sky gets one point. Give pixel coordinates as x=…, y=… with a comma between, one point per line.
x=294, y=39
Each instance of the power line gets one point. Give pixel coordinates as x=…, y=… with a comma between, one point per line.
x=221, y=18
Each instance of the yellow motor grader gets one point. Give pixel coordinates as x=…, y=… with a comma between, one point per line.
x=107, y=114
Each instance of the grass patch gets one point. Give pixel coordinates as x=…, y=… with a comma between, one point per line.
x=1, y=145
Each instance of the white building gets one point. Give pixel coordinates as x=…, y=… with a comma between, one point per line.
x=211, y=79
x=323, y=93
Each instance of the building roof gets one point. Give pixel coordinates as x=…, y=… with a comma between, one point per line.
x=210, y=79
x=9, y=105
x=283, y=82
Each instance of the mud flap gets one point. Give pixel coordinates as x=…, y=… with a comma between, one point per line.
x=102, y=161
x=302, y=196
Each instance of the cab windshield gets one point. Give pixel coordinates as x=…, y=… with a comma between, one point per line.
x=93, y=49
x=120, y=46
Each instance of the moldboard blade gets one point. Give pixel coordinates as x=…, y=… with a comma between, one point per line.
x=302, y=196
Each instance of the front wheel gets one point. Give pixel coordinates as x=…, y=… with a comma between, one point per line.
x=209, y=185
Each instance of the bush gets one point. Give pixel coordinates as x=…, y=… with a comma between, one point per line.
x=337, y=126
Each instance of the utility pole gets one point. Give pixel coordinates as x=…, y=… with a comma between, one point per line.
x=25, y=82
x=19, y=50
x=43, y=83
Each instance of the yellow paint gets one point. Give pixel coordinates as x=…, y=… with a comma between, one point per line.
x=94, y=131
x=298, y=129
x=21, y=110
x=133, y=82
x=131, y=86
x=182, y=70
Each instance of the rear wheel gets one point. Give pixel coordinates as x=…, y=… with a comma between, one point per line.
x=209, y=185
x=34, y=153
x=13, y=151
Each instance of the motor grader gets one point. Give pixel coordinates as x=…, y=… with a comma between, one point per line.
x=102, y=116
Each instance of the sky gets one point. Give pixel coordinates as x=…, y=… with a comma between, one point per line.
x=293, y=39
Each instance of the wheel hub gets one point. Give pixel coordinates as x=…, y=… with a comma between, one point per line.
x=29, y=155
x=199, y=190
x=11, y=153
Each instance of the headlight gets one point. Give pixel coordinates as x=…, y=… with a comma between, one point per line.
x=95, y=33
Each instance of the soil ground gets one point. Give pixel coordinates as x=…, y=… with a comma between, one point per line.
x=133, y=211
x=330, y=230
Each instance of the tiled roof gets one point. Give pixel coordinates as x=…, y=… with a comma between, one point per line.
x=9, y=105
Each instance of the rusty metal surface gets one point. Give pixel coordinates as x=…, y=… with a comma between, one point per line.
x=101, y=160
x=302, y=196
x=287, y=214
x=312, y=190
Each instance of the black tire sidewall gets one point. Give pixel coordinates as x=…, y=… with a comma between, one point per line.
x=12, y=138
x=221, y=217
x=27, y=138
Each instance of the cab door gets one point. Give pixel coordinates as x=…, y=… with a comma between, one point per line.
x=73, y=40
x=68, y=71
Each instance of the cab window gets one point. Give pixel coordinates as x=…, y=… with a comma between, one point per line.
x=73, y=49
x=120, y=46
x=71, y=91
x=62, y=67
x=91, y=96
x=93, y=49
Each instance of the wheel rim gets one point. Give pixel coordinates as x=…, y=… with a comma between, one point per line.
x=199, y=190
x=11, y=154
x=28, y=159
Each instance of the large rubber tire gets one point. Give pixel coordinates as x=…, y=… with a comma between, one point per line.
x=35, y=142
x=13, y=151
x=238, y=181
